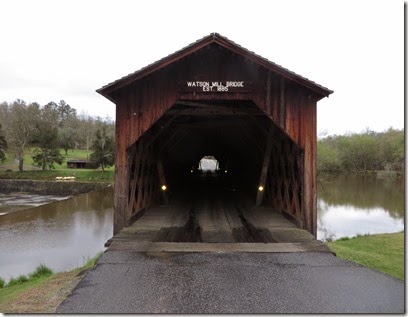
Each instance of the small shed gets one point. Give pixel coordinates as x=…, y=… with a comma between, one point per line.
x=81, y=164
x=215, y=97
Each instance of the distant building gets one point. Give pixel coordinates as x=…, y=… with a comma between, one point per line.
x=81, y=164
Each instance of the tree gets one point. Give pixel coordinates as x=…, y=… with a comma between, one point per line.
x=47, y=152
x=3, y=146
x=365, y=151
x=22, y=123
x=327, y=155
x=65, y=112
x=392, y=149
x=103, y=149
x=86, y=130
x=66, y=138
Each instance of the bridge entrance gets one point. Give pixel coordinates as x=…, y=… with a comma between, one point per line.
x=215, y=99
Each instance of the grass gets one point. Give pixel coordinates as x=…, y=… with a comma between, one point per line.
x=41, y=270
x=382, y=252
x=90, y=262
x=84, y=175
x=29, y=163
x=42, y=291
x=9, y=169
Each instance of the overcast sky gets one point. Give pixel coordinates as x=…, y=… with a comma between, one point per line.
x=53, y=50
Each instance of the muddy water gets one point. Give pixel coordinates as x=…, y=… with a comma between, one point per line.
x=349, y=205
x=64, y=234
x=61, y=234
x=17, y=201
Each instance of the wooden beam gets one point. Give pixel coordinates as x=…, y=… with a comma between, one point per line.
x=135, y=180
x=251, y=139
x=216, y=111
x=235, y=109
x=260, y=127
x=169, y=140
x=141, y=176
x=265, y=166
x=162, y=178
x=162, y=129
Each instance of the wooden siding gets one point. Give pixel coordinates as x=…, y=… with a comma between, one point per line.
x=291, y=108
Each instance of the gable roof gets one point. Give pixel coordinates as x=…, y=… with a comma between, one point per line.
x=199, y=44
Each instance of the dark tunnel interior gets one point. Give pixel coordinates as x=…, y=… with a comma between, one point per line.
x=234, y=133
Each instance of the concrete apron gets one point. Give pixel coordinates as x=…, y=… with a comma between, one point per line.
x=145, y=246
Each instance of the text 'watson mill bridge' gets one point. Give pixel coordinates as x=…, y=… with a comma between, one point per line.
x=214, y=98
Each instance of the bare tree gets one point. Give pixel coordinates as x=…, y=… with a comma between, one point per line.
x=21, y=126
x=3, y=145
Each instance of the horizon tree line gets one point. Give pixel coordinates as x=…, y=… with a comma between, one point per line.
x=49, y=128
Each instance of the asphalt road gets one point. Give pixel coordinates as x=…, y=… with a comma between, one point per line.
x=136, y=282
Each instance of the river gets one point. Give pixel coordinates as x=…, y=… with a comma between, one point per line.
x=64, y=234
x=350, y=205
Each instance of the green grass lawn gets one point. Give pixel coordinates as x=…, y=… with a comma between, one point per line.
x=9, y=169
x=382, y=252
x=29, y=163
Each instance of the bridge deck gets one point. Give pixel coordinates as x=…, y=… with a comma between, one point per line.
x=214, y=227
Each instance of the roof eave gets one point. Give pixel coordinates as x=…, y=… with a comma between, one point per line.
x=155, y=66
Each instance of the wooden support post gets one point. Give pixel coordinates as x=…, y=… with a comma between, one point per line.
x=163, y=182
x=169, y=140
x=134, y=180
x=141, y=177
x=265, y=166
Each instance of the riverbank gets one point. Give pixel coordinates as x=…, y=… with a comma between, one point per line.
x=42, y=294
x=381, y=252
x=81, y=175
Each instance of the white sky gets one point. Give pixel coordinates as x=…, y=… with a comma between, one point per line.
x=53, y=50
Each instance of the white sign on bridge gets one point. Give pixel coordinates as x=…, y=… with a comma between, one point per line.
x=215, y=86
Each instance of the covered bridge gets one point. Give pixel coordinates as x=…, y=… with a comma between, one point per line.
x=215, y=98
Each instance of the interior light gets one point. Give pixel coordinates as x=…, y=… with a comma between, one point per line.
x=192, y=171
x=164, y=187
x=225, y=171
x=260, y=188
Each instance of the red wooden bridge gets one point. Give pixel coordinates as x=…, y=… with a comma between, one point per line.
x=215, y=98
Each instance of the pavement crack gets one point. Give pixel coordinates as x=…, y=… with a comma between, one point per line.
x=128, y=269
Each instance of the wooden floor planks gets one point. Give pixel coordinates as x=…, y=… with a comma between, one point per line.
x=214, y=228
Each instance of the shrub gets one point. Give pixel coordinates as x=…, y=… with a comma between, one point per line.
x=41, y=270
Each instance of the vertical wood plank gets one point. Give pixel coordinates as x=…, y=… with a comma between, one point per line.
x=282, y=103
x=268, y=93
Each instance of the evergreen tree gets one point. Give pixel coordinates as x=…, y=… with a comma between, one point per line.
x=47, y=152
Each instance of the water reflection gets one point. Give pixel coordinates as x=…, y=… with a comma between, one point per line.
x=359, y=204
x=61, y=235
x=64, y=234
